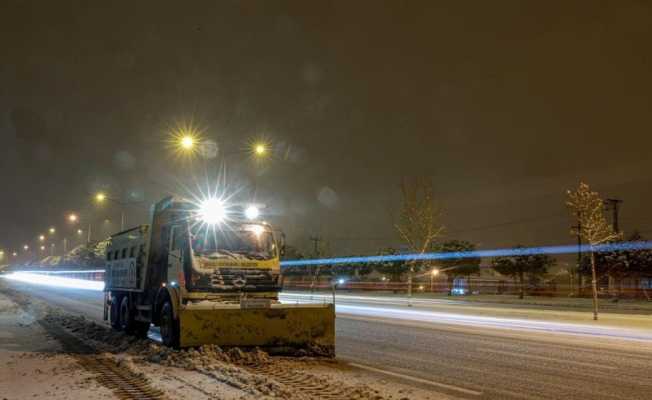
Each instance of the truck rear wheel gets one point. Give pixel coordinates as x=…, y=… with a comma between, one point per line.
x=169, y=326
x=114, y=313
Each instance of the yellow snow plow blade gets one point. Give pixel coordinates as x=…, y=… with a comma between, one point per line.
x=281, y=326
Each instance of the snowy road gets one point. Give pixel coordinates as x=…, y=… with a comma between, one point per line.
x=464, y=352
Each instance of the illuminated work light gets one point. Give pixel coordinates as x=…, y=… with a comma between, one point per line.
x=212, y=211
x=252, y=212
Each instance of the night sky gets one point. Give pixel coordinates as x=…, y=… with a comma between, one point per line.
x=504, y=104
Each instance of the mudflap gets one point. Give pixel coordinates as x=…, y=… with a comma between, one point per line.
x=281, y=326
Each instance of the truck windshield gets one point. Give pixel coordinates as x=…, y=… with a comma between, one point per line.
x=250, y=242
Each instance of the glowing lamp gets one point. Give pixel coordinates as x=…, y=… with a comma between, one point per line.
x=212, y=211
x=187, y=142
x=252, y=212
x=260, y=149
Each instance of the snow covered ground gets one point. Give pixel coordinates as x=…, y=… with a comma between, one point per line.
x=32, y=364
x=36, y=365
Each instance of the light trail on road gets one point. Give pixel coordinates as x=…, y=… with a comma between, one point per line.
x=56, y=281
x=493, y=322
x=395, y=309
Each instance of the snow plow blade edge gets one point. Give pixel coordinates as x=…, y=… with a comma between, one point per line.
x=282, y=326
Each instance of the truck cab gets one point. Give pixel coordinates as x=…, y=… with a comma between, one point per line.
x=243, y=258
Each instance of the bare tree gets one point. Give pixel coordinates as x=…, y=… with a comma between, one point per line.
x=419, y=220
x=592, y=226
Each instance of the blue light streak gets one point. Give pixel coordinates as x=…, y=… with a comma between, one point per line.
x=522, y=251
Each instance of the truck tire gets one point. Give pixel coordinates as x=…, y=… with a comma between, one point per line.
x=126, y=316
x=169, y=326
x=114, y=313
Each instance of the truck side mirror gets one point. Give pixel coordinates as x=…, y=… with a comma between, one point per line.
x=281, y=247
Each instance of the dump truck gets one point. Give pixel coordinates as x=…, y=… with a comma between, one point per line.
x=205, y=273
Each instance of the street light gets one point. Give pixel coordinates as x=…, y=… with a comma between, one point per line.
x=73, y=217
x=52, y=231
x=41, y=238
x=187, y=142
x=260, y=149
x=80, y=232
x=14, y=254
x=25, y=247
x=42, y=248
x=100, y=198
x=433, y=274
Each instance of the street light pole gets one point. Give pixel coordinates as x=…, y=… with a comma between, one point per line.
x=102, y=197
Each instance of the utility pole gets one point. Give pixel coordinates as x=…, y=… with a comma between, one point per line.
x=578, y=228
x=315, y=240
x=614, y=206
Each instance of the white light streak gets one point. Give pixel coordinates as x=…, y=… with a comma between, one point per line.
x=57, y=281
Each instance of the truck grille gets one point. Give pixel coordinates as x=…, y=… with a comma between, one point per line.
x=242, y=278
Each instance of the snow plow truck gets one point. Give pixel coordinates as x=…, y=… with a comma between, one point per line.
x=206, y=274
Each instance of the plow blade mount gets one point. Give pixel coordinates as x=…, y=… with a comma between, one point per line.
x=281, y=326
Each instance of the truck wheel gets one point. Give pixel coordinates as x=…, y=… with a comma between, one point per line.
x=114, y=313
x=169, y=326
x=126, y=316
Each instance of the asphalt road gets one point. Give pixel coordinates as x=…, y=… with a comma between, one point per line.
x=464, y=355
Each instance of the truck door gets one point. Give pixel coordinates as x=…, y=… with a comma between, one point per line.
x=175, y=255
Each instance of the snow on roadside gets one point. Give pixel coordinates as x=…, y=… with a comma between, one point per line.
x=46, y=375
x=229, y=367
x=31, y=366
